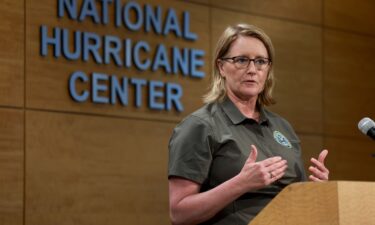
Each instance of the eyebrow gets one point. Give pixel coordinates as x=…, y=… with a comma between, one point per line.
x=256, y=57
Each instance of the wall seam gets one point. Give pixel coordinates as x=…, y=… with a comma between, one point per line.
x=24, y=112
x=104, y=115
x=267, y=16
x=337, y=29
x=323, y=77
x=321, y=25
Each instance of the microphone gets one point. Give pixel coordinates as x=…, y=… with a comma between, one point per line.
x=367, y=126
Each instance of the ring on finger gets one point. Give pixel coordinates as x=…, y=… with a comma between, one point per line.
x=271, y=175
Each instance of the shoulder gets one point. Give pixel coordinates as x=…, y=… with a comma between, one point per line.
x=201, y=117
x=198, y=126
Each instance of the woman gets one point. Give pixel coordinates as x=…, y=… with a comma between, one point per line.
x=232, y=156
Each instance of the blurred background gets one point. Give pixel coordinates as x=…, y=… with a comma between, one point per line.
x=65, y=162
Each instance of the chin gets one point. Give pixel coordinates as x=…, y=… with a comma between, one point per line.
x=250, y=93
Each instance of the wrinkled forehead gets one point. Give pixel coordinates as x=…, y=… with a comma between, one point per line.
x=248, y=46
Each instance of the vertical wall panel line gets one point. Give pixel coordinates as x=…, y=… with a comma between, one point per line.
x=24, y=113
x=323, y=77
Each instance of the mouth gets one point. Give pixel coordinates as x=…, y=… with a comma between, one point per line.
x=249, y=82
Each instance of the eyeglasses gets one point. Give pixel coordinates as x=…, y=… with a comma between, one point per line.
x=243, y=62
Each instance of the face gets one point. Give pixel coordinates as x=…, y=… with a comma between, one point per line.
x=247, y=83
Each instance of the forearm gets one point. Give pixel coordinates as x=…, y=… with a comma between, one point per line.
x=200, y=207
x=188, y=206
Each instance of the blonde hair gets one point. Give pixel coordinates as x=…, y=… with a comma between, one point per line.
x=217, y=91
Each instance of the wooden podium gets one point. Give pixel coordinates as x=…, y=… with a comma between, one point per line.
x=328, y=203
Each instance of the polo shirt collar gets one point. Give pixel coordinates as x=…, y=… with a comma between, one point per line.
x=235, y=115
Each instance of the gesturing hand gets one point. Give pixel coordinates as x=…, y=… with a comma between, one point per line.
x=319, y=170
x=260, y=174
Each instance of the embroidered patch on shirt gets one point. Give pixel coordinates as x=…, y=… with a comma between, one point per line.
x=281, y=139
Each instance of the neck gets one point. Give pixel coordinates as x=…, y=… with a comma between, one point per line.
x=247, y=107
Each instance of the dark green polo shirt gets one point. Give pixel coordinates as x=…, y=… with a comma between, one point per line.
x=212, y=144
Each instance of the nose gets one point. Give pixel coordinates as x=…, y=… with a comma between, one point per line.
x=251, y=68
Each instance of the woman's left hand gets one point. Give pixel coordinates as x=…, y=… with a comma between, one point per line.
x=319, y=171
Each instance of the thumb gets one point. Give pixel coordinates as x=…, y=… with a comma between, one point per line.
x=253, y=155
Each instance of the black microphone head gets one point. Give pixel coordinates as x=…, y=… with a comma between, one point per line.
x=365, y=125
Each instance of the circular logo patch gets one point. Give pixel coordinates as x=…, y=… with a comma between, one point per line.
x=281, y=139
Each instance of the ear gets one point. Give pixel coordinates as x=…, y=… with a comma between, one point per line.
x=220, y=66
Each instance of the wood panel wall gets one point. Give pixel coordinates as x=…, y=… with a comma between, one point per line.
x=62, y=162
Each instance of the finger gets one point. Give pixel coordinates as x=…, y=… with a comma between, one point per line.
x=277, y=165
x=323, y=155
x=279, y=171
x=317, y=173
x=313, y=178
x=277, y=177
x=253, y=154
x=271, y=161
x=319, y=165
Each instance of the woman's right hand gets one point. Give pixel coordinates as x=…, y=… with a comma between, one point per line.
x=256, y=175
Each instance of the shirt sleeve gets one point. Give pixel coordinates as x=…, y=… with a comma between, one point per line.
x=190, y=154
